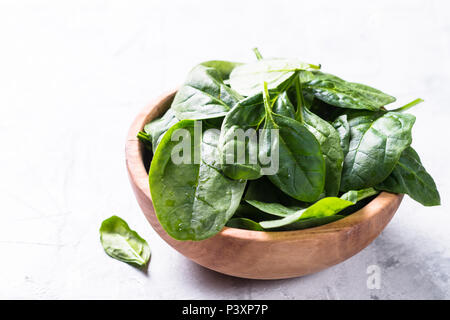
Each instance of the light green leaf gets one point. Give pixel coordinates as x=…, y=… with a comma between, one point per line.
x=410, y=177
x=122, y=243
x=204, y=95
x=376, y=142
x=277, y=73
x=301, y=172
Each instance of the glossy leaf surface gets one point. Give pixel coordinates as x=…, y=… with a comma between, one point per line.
x=122, y=243
x=193, y=201
x=410, y=177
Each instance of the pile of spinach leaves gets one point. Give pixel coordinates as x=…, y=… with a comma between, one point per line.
x=338, y=147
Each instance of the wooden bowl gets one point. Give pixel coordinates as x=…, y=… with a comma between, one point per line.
x=257, y=254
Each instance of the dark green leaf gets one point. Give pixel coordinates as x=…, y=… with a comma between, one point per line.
x=308, y=223
x=192, y=201
x=247, y=79
x=329, y=141
x=122, y=243
x=301, y=172
x=238, y=139
x=204, y=95
x=244, y=223
x=323, y=208
x=156, y=129
x=410, y=177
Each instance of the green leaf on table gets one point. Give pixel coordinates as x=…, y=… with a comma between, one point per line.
x=122, y=243
x=410, y=177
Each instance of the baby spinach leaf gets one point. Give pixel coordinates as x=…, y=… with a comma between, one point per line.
x=358, y=195
x=158, y=127
x=343, y=129
x=192, y=201
x=122, y=243
x=410, y=177
x=244, y=223
x=278, y=73
x=376, y=142
x=316, y=214
x=340, y=93
x=237, y=142
x=301, y=172
x=204, y=95
x=257, y=53
x=308, y=223
x=146, y=140
x=330, y=144
x=323, y=208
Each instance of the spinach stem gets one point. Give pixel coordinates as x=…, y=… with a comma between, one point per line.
x=300, y=99
x=409, y=105
x=257, y=53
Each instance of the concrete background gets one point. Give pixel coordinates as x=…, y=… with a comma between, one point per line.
x=74, y=74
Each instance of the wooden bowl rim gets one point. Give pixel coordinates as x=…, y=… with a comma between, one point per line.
x=139, y=176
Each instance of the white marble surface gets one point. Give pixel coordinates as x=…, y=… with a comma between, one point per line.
x=73, y=74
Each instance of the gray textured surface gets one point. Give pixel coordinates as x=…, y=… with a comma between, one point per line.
x=73, y=75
